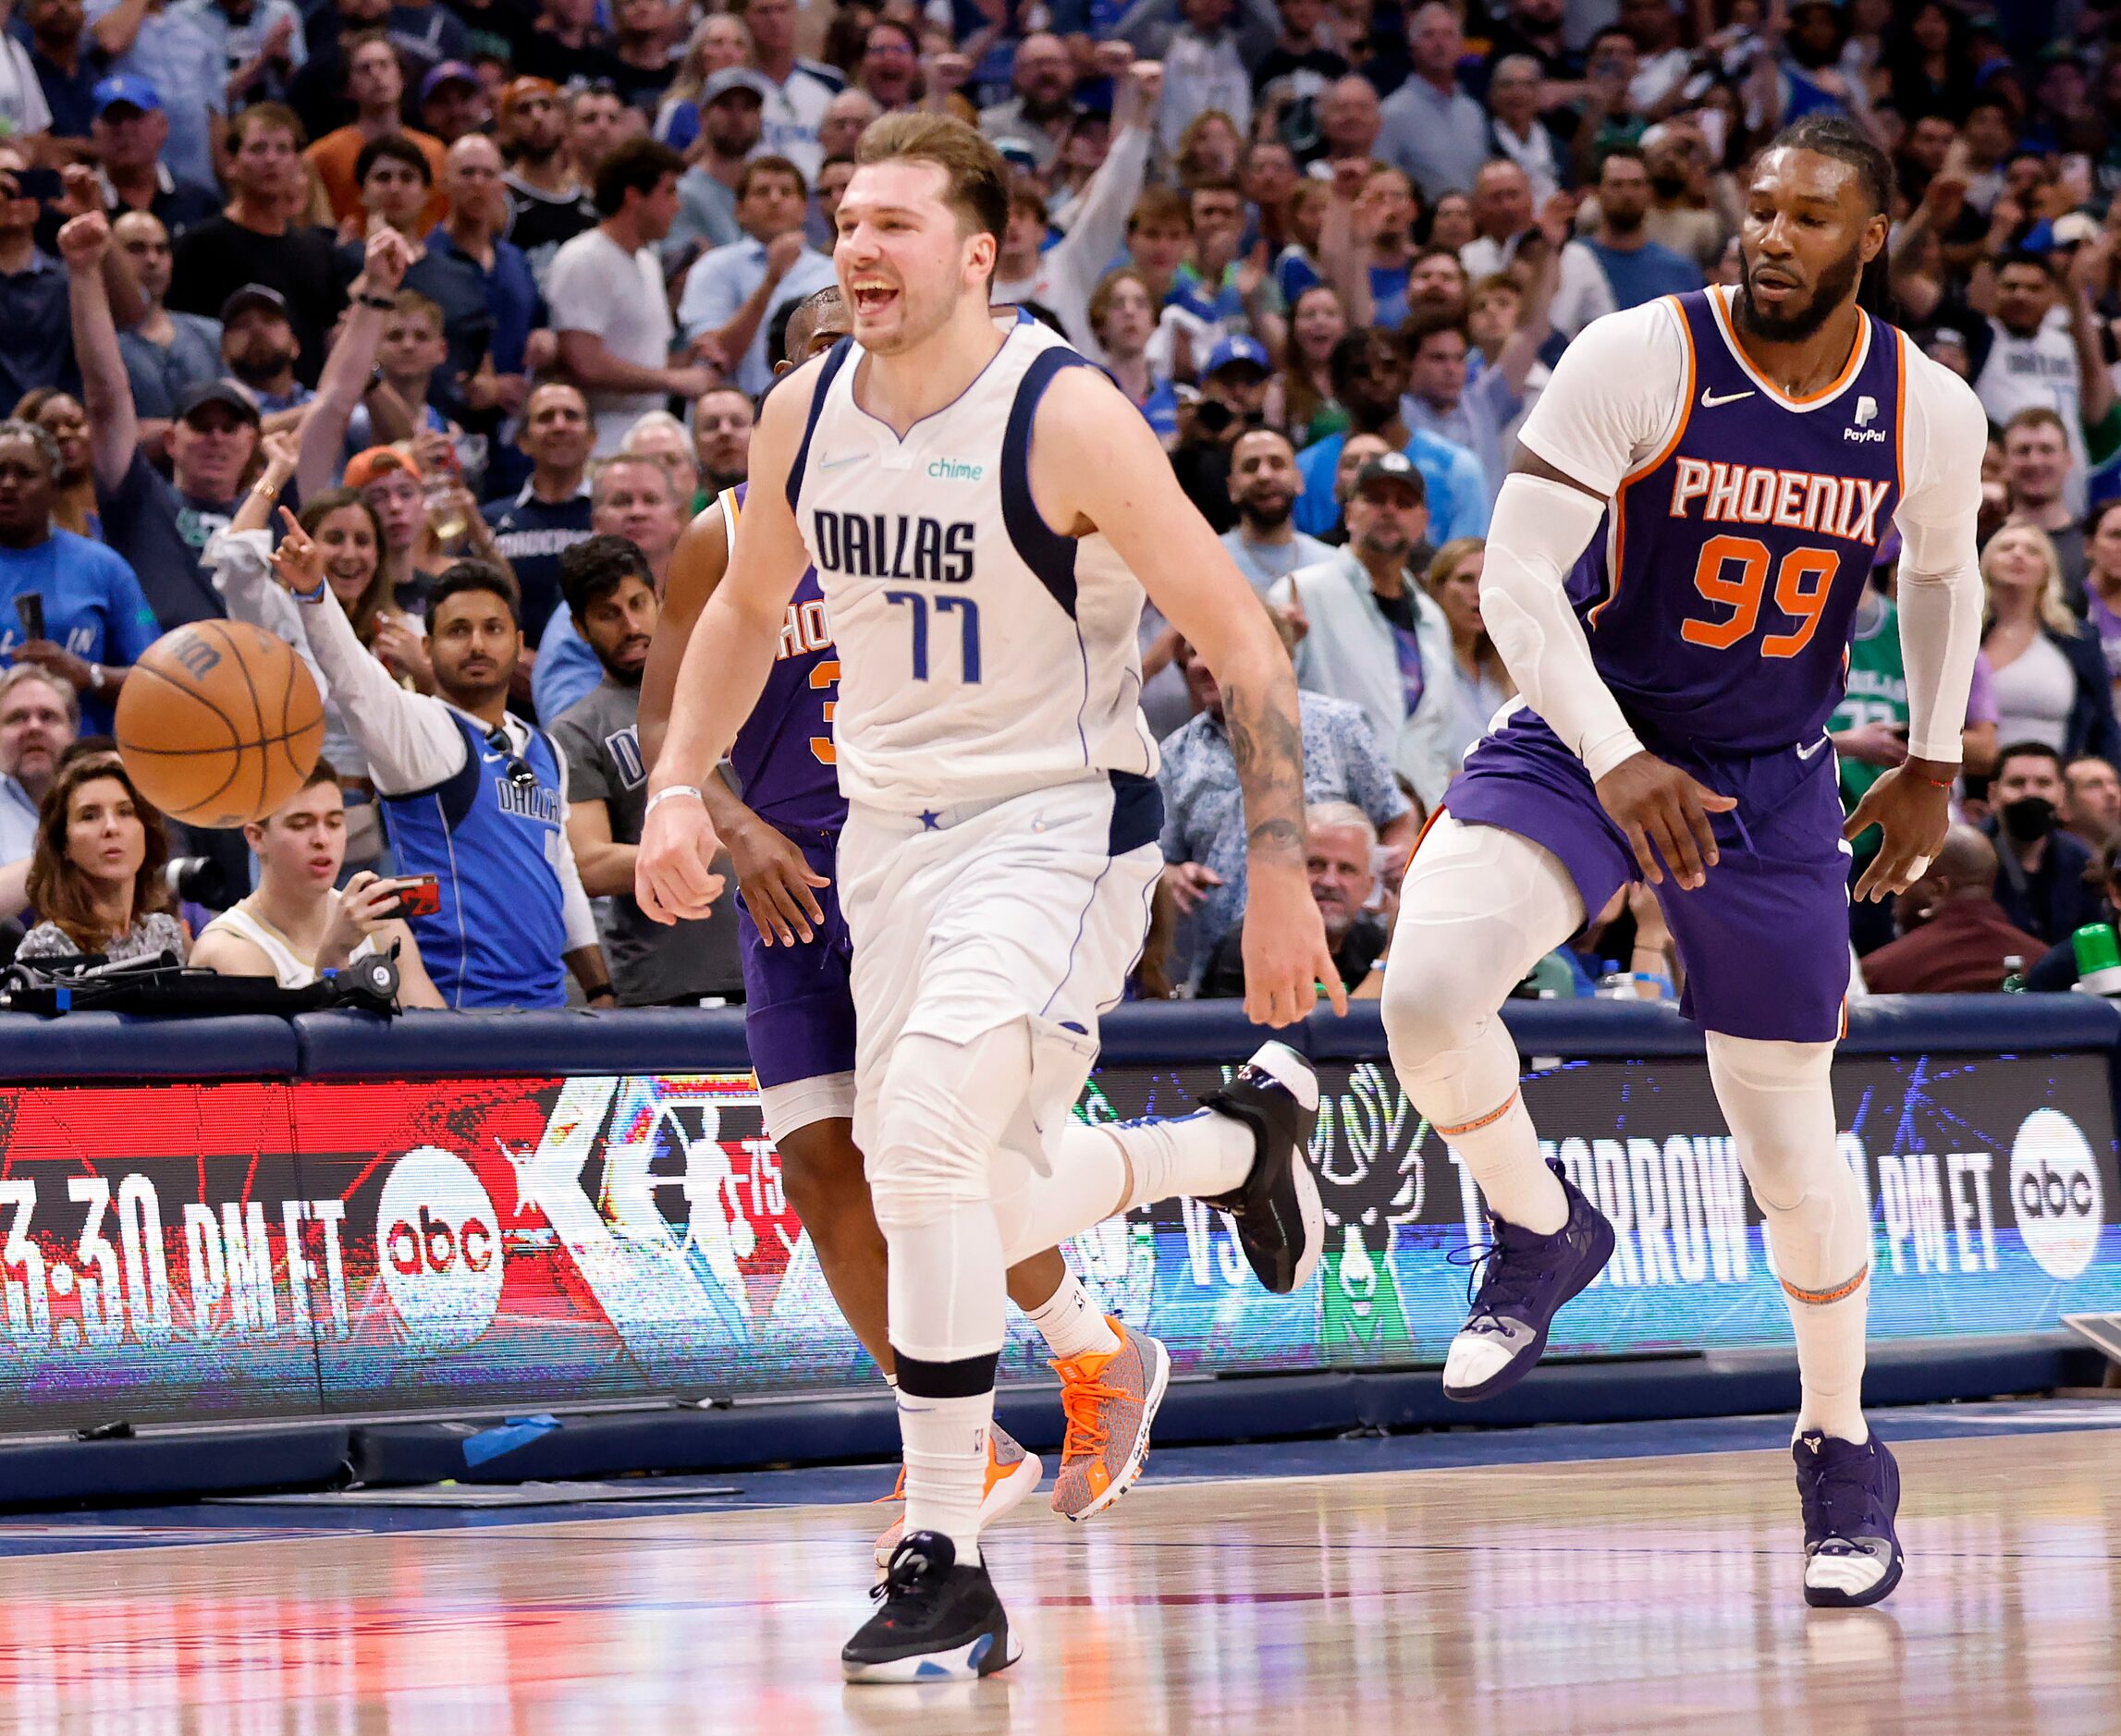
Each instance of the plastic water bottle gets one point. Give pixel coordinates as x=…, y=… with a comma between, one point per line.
x=2097, y=959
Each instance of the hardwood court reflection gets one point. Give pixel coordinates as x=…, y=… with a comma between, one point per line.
x=1630, y=1594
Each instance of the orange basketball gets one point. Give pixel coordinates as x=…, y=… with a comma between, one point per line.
x=219, y=723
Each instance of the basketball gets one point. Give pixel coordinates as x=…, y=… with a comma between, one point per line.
x=219, y=723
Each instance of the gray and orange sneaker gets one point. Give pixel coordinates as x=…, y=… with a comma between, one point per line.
x=1110, y=1402
x=1011, y=1474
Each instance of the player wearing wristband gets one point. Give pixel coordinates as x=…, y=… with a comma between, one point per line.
x=1672, y=577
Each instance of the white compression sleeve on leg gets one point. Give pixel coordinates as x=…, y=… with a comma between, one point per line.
x=1538, y=528
x=1480, y=906
x=1779, y=1100
x=1940, y=594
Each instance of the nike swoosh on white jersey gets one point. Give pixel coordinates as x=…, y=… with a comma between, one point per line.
x=1805, y=754
x=1710, y=401
x=833, y=464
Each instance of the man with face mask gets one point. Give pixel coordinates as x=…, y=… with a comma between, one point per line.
x=611, y=600
x=474, y=795
x=2041, y=884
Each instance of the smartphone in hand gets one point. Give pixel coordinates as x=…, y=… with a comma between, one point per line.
x=418, y=895
x=29, y=611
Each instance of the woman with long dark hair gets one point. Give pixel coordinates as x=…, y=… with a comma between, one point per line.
x=95, y=876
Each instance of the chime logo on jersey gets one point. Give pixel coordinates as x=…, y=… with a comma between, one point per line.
x=2055, y=1192
x=892, y=546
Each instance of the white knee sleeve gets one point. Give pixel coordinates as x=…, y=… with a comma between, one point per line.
x=1480, y=907
x=1778, y=1098
x=941, y=1112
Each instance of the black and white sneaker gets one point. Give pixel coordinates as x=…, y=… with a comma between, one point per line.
x=1280, y=1224
x=1850, y=1496
x=938, y=1621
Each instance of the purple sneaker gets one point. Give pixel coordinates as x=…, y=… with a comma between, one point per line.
x=1524, y=1280
x=1850, y=1496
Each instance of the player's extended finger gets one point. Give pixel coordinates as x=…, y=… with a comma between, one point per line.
x=1675, y=840
x=1864, y=817
x=1336, y=990
x=799, y=887
x=788, y=913
x=1645, y=859
x=1701, y=825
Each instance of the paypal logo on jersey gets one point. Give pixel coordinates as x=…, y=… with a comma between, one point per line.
x=1866, y=414
x=892, y=546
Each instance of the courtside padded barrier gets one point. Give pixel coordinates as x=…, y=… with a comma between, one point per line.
x=159, y=1468
x=101, y=1046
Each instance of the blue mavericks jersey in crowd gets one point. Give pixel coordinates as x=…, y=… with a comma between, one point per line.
x=783, y=753
x=1720, y=592
x=495, y=849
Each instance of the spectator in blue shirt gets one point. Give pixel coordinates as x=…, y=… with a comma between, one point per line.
x=1370, y=377
x=1637, y=268
x=96, y=622
x=184, y=66
x=730, y=294
x=36, y=350
x=550, y=514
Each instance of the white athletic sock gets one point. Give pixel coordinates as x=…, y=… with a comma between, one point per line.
x=1779, y=1102
x=1071, y=1325
x=1499, y=1148
x=1195, y=1155
x=945, y=1465
x=1099, y=1171
x=1830, y=1364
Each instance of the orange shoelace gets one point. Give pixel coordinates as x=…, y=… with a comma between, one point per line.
x=898, y=1490
x=1081, y=1403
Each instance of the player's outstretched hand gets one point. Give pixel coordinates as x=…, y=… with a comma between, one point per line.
x=1665, y=814
x=1912, y=806
x=1287, y=959
x=673, y=876
x=776, y=879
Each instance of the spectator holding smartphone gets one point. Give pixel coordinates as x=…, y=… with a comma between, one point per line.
x=472, y=794
x=297, y=926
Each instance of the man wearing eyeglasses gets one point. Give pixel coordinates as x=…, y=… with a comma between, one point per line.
x=471, y=794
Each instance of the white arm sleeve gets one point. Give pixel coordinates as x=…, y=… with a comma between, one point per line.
x=1613, y=399
x=409, y=738
x=1940, y=589
x=1539, y=530
x=578, y=922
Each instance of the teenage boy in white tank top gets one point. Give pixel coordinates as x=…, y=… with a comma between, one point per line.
x=296, y=925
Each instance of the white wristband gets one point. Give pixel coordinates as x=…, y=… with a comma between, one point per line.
x=665, y=795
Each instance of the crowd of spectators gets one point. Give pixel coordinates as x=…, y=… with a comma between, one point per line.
x=416, y=331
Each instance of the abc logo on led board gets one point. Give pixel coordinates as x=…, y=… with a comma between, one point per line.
x=2055, y=1192
x=439, y=1243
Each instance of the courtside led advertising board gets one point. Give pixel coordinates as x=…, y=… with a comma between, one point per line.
x=177, y=1251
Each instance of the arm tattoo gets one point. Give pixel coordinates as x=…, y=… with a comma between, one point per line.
x=1267, y=745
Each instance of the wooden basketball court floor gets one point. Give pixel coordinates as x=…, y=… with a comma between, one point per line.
x=1521, y=1593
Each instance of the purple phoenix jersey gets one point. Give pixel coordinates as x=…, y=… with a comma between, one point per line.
x=1718, y=599
x=783, y=753
x=799, y=1010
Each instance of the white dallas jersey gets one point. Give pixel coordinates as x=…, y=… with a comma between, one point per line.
x=982, y=655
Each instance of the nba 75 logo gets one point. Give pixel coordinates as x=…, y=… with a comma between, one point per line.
x=1866, y=414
